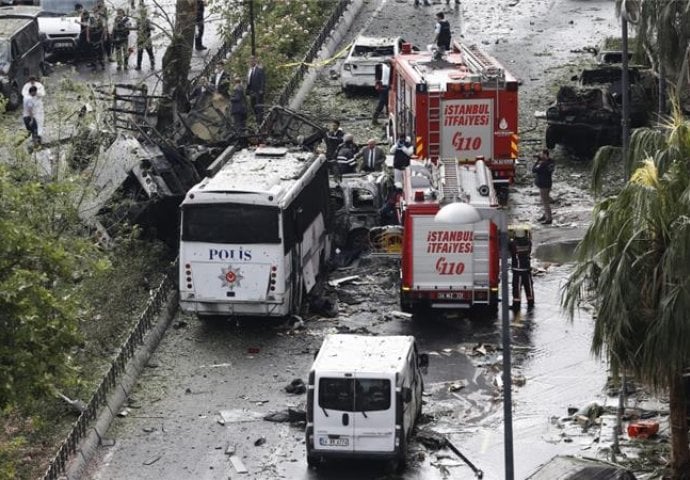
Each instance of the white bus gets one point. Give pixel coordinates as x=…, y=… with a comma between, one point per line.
x=255, y=235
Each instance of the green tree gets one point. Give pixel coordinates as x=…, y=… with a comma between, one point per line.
x=634, y=263
x=43, y=257
x=663, y=32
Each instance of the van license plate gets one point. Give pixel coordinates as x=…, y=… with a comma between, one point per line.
x=334, y=442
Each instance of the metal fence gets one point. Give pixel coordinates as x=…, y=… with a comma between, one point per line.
x=99, y=399
x=233, y=39
x=296, y=79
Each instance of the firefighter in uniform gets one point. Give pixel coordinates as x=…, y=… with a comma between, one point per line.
x=521, y=251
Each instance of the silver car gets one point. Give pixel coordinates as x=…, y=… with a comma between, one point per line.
x=358, y=69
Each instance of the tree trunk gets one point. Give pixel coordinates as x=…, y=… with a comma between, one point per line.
x=176, y=63
x=680, y=461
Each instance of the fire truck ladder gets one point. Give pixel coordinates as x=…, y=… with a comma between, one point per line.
x=434, y=125
x=481, y=63
x=450, y=188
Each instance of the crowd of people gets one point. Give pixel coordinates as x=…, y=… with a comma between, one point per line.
x=101, y=40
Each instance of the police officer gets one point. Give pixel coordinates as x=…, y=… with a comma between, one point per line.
x=120, y=39
x=95, y=37
x=144, y=42
x=346, y=154
x=442, y=30
x=333, y=139
x=520, y=263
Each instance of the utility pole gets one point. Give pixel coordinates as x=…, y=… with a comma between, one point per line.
x=625, y=80
x=251, y=26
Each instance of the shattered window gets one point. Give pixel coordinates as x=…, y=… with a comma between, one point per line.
x=367, y=51
x=354, y=395
x=230, y=223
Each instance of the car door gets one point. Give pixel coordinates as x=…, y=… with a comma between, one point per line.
x=333, y=412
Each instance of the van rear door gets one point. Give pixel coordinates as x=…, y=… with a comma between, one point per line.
x=334, y=412
x=374, y=418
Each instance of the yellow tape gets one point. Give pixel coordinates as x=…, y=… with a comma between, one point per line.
x=321, y=63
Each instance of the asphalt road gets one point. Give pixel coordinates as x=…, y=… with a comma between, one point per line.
x=172, y=428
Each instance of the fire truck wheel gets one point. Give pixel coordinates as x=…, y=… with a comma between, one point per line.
x=551, y=137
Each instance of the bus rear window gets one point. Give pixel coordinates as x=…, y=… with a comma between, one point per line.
x=230, y=223
x=350, y=395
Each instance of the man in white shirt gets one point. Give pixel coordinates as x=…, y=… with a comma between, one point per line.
x=32, y=114
x=33, y=82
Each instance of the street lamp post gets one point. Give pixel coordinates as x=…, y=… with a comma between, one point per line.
x=460, y=213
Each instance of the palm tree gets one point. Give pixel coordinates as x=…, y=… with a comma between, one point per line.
x=634, y=264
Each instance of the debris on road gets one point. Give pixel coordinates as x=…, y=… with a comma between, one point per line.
x=152, y=460
x=459, y=385
x=259, y=441
x=238, y=415
x=436, y=441
x=237, y=464
x=342, y=281
x=290, y=415
x=297, y=387
x=123, y=413
x=399, y=314
x=643, y=429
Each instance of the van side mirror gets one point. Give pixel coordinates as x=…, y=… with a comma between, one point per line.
x=407, y=394
x=423, y=360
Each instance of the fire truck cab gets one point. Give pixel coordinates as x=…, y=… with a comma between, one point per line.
x=443, y=265
x=458, y=105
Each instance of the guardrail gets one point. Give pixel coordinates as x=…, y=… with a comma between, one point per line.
x=297, y=77
x=99, y=399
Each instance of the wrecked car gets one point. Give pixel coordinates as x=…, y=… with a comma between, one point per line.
x=587, y=115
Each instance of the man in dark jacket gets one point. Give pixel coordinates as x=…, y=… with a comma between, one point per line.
x=346, y=154
x=120, y=39
x=238, y=107
x=442, y=30
x=333, y=139
x=543, y=172
x=256, y=85
x=521, y=266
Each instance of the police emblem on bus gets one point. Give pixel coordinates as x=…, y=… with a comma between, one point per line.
x=231, y=277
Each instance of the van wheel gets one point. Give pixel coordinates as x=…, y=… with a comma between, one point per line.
x=14, y=98
x=400, y=463
x=312, y=461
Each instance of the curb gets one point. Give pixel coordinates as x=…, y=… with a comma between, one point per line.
x=126, y=383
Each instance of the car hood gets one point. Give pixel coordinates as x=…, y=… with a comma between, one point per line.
x=51, y=25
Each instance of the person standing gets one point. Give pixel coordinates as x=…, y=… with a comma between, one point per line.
x=402, y=153
x=520, y=247
x=95, y=36
x=238, y=107
x=199, y=39
x=382, y=87
x=82, y=43
x=442, y=30
x=144, y=42
x=102, y=11
x=120, y=39
x=333, y=139
x=220, y=82
x=33, y=82
x=543, y=173
x=345, y=155
x=32, y=114
x=426, y=3
x=371, y=157
x=256, y=84
x=200, y=92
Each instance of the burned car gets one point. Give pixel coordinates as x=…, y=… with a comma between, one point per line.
x=588, y=115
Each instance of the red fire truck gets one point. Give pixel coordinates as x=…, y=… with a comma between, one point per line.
x=461, y=105
x=445, y=265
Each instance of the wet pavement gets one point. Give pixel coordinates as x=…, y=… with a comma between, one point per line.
x=173, y=427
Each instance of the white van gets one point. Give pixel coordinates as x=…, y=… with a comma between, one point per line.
x=364, y=397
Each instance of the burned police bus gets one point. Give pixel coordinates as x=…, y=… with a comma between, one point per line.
x=254, y=236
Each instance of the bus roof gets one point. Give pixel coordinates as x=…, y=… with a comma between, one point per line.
x=262, y=175
x=363, y=353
